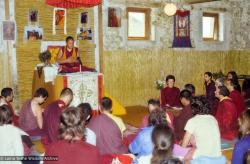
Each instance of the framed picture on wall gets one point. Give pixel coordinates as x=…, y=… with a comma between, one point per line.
x=9, y=30
x=33, y=33
x=59, y=19
x=33, y=16
x=84, y=33
x=84, y=18
x=114, y=17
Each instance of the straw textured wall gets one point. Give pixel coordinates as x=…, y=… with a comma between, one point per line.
x=130, y=75
x=27, y=52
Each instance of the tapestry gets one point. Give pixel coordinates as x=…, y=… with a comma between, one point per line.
x=59, y=20
x=86, y=88
x=182, y=29
x=114, y=17
x=33, y=17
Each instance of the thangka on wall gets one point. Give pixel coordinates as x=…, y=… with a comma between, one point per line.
x=59, y=19
x=114, y=17
x=84, y=33
x=182, y=29
x=33, y=17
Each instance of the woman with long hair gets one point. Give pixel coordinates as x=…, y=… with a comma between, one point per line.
x=233, y=75
x=163, y=140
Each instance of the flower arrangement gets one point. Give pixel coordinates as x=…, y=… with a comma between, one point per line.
x=160, y=84
x=45, y=57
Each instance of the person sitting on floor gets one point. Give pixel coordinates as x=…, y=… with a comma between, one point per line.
x=7, y=97
x=226, y=115
x=243, y=145
x=87, y=113
x=153, y=104
x=52, y=115
x=163, y=141
x=142, y=144
x=170, y=94
x=108, y=130
x=204, y=129
x=71, y=147
x=31, y=115
x=190, y=88
x=236, y=97
x=185, y=114
x=10, y=138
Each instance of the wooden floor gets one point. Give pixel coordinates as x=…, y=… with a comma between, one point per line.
x=134, y=115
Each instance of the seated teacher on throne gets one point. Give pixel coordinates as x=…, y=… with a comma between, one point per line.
x=69, y=59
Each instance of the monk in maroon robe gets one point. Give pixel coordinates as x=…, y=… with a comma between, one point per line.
x=108, y=135
x=52, y=115
x=226, y=114
x=170, y=94
x=236, y=96
x=184, y=115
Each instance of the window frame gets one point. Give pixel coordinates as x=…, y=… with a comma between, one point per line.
x=216, y=26
x=147, y=12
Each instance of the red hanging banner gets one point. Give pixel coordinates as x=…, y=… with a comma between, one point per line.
x=73, y=3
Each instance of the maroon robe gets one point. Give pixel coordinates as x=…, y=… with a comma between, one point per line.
x=28, y=121
x=210, y=94
x=108, y=135
x=227, y=119
x=238, y=100
x=73, y=153
x=170, y=96
x=180, y=122
x=15, y=119
x=51, y=120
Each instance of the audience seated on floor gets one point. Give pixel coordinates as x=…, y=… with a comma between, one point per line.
x=243, y=145
x=10, y=136
x=210, y=91
x=31, y=115
x=107, y=129
x=142, y=145
x=6, y=98
x=184, y=115
x=202, y=131
x=226, y=115
x=52, y=115
x=71, y=148
x=170, y=94
x=87, y=113
x=236, y=97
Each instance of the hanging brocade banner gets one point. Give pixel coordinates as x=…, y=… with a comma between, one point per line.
x=73, y=3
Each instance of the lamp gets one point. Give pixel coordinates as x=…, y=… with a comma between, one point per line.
x=170, y=9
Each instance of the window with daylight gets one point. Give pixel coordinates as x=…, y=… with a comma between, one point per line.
x=210, y=26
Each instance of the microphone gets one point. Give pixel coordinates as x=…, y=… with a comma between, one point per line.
x=79, y=60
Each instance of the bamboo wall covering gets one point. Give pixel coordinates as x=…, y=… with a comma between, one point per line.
x=129, y=76
x=27, y=51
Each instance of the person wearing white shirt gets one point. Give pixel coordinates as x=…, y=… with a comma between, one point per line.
x=10, y=138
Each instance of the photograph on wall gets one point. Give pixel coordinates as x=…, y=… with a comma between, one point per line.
x=33, y=33
x=84, y=33
x=84, y=18
x=33, y=16
x=9, y=30
x=114, y=17
x=59, y=19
